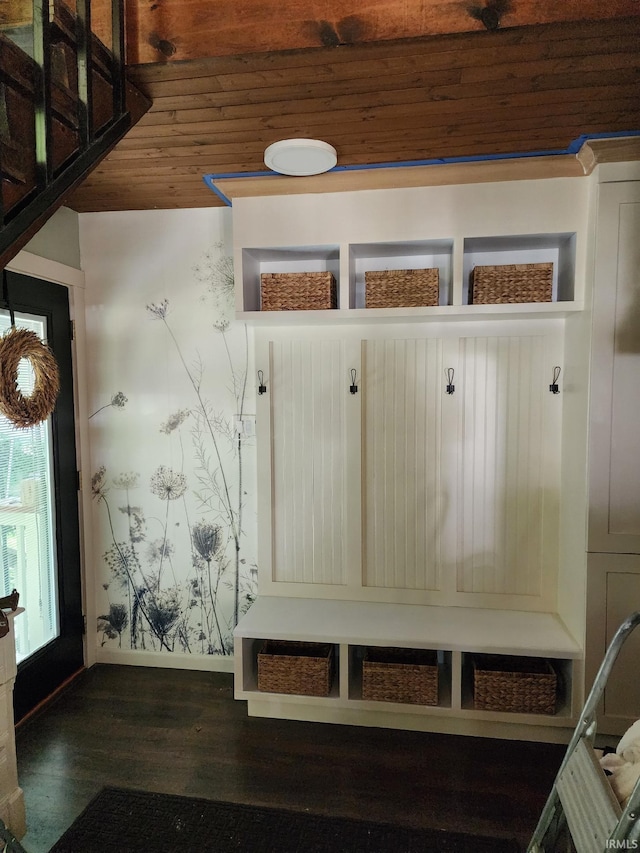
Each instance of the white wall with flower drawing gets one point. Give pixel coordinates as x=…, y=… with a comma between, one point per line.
x=173, y=526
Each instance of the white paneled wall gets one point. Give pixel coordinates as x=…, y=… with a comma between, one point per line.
x=504, y=440
x=308, y=460
x=402, y=490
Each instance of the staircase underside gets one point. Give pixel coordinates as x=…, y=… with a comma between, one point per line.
x=64, y=104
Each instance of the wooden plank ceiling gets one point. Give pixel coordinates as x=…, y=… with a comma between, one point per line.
x=397, y=82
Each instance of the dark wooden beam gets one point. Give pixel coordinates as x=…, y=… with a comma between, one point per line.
x=174, y=30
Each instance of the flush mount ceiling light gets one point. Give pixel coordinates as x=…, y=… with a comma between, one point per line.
x=300, y=157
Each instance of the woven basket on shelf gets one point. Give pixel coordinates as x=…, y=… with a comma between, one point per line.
x=298, y=291
x=400, y=675
x=491, y=285
x=291, y=667
x=521, y=685
x=401, y=288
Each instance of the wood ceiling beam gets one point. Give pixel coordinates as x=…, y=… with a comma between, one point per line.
x=504, y=45
x=174, y=30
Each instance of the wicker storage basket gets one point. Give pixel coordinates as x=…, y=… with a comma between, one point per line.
x=518, y=684
x=401, y=288
x=400, y=675
x=512, y=283
x=298, y=291
x=291, y=667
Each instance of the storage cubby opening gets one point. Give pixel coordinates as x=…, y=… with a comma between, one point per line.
x=534, y=669
x=393, y=656
x=294, y=259
x=424, y=254
x=558, y=249
x=437, y=255
x=295, y=668
x=250, y=649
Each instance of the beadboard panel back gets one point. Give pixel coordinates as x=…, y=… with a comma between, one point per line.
x=308, y=460
x=403, y=497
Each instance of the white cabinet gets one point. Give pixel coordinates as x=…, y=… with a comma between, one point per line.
x=614, y=454
x=622, y=695
x=614, y=520
x=614, y=593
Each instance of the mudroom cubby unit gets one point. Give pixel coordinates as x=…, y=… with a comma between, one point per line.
x=453, y=634
x=421, y=470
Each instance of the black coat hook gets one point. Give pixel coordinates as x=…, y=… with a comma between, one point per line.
x=554, y=385
x=450, y=386
x=353, y=387
x=262, y=388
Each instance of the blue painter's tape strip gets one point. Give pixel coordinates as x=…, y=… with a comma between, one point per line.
x=209, y=181
x=572, y=148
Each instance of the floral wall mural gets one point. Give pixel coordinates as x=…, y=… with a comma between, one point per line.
x=173, y=461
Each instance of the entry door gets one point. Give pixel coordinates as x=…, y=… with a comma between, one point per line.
x=39, y=525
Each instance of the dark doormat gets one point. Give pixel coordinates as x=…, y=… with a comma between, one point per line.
x=140, y=822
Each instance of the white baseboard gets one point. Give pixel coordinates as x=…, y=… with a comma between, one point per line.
x=165, y=660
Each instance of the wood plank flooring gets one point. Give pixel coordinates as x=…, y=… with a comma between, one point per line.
x=181, y=732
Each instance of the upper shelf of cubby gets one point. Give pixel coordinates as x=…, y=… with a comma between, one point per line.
x=455, y=260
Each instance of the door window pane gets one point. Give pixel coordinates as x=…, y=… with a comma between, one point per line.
x=27, y=556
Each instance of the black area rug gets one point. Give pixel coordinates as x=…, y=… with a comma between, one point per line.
x=139, y=822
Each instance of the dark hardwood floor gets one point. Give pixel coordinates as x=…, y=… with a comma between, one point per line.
x=181, y=732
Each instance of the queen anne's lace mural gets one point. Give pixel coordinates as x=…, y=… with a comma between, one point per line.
x=176, y=565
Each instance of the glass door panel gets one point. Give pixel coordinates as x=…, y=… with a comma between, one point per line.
x=39, y=518
x=27, y=526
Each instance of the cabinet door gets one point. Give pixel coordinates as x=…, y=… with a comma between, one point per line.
x=614, y=515
x=508, y=466
x=613, y=594
x=404, y=499
x=307, y=500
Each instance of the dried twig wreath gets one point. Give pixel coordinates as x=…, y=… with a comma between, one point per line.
x=27, y=411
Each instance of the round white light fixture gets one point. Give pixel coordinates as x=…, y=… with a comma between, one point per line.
x=300, y=157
